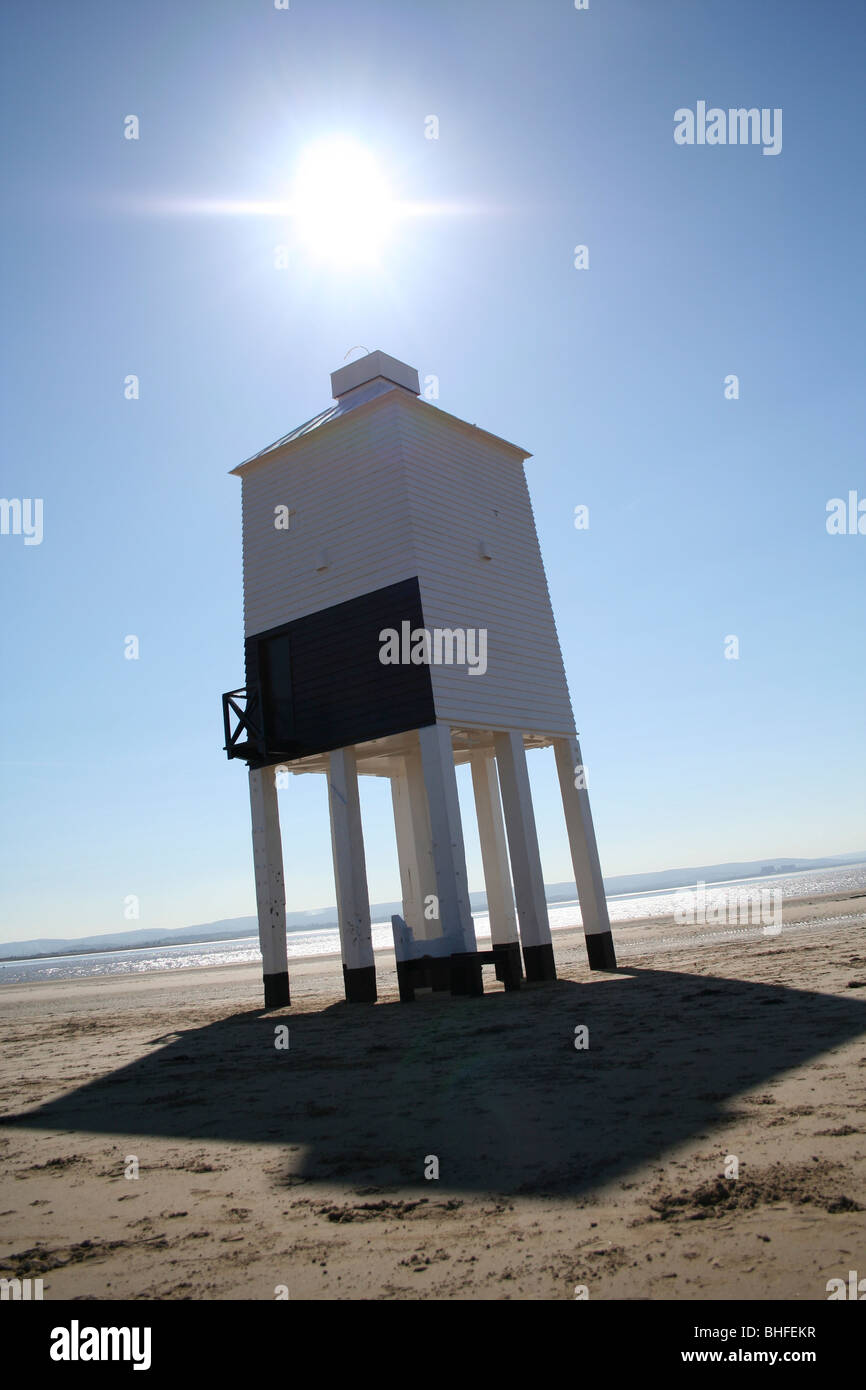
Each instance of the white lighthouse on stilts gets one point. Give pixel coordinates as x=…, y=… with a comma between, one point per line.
x=398, y=622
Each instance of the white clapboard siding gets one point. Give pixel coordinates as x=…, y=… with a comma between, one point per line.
x=346, y=487
x=458, y=480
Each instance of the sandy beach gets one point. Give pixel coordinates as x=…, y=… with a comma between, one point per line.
x=301, y=1169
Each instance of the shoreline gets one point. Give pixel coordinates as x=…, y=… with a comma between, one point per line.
x=815, y=906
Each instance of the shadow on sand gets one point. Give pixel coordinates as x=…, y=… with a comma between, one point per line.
x=493, y=1087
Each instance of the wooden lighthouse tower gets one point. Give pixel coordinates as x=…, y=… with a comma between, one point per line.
x=397, y=622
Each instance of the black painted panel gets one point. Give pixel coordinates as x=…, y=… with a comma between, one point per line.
x=321, y=684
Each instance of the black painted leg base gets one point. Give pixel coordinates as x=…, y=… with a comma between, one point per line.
x=539, y=962
x=509, y=968
x=466, y=973
x=360, y=985
x=406, y=981
x=277, y=990
x=440, y=974
x=599, y=949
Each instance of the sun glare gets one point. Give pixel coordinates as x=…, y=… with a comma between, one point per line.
x=342, y=206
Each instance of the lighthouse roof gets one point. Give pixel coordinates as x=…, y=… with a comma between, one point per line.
x=324, y=417
x=358, y=385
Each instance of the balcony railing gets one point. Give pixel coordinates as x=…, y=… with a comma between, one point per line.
x=241, y=718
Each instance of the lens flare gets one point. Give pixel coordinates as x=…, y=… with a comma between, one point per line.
x=341, y=204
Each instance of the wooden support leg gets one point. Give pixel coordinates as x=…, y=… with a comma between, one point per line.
x=405, y=981
x=507, y=964
x=466, y=974
x=415, y=847
x=494, y=849
x=449, y=858
x=270, y=888
x=525, y=858
x=350, y=874
x=584, y=855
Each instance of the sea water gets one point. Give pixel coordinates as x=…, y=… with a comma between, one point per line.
x=325, y=940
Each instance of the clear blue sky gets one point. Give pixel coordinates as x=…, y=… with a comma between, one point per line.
x=707, y=516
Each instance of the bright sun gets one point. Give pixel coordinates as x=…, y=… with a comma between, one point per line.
x=341, y=204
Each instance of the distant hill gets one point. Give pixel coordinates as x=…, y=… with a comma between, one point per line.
x=232, y=928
